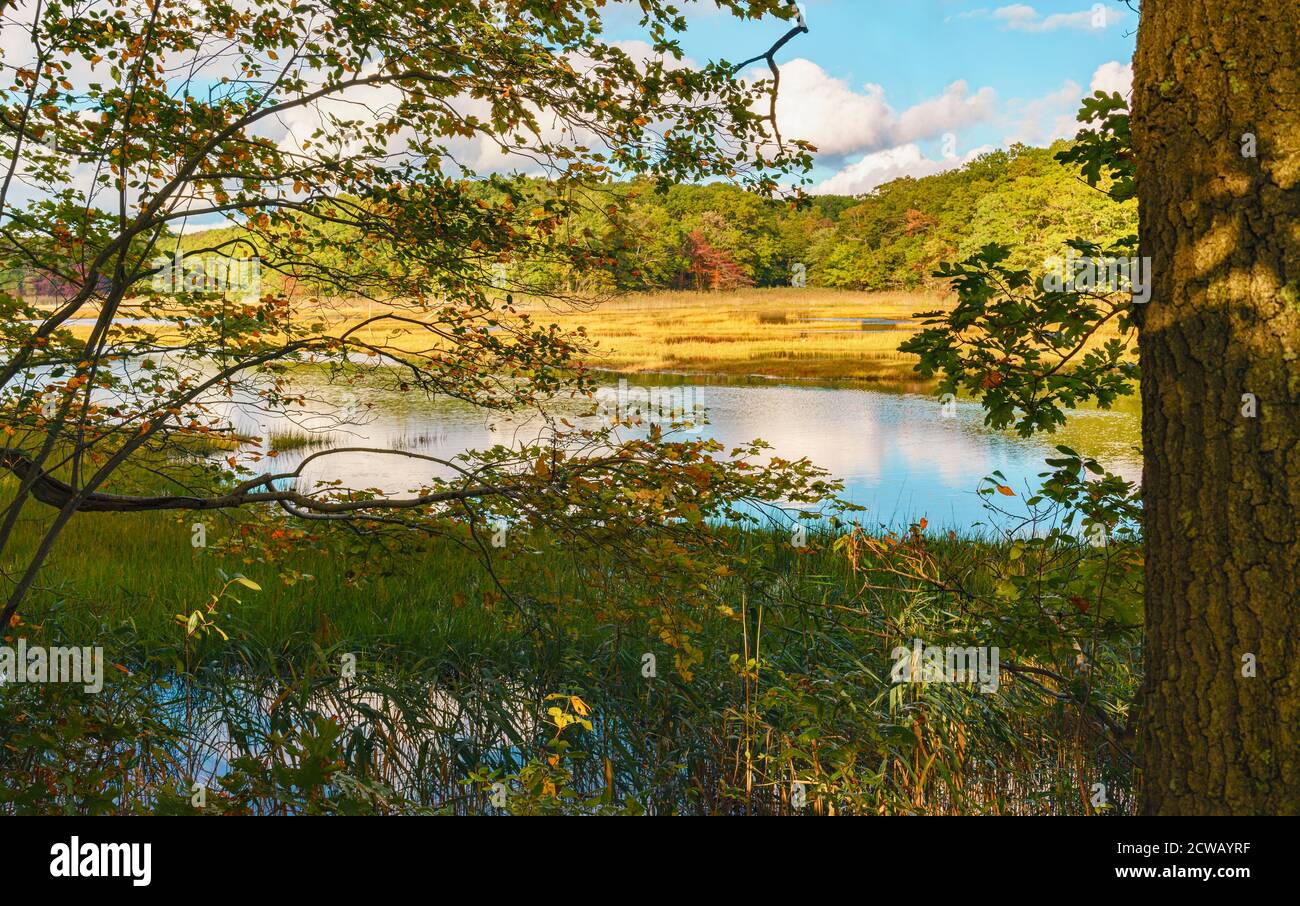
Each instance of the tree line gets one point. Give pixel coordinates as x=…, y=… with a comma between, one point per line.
x=719, y=236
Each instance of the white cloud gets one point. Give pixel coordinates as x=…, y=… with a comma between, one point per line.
x=842, y=122
x=1113, y=76
x=817, y=107
x=642, y=51
x=955, y=108
x=968, y=14
x=1043, y=120
x=479, y=153
x=880, y=167
x=1022, y=17
x=1017, y=15
x=1053, y=116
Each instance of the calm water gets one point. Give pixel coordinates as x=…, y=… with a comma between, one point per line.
x=902, y=456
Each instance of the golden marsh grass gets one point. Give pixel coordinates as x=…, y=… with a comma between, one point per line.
x=782, y=333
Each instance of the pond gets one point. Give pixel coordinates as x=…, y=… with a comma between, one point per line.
x=902, y=456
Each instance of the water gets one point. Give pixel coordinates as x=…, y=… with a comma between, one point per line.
x=902, y=456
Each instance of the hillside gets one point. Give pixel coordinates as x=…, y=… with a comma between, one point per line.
x=718, y=236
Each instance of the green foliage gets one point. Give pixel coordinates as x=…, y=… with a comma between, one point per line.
x=1104, y=151
x=901, y=233
x=1029, y=347
x=639, y=236
x=792, y=685
x=1022, y=349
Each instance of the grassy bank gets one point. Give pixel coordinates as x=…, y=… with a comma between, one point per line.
x=457, y=688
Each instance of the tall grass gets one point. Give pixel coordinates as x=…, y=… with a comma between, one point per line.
x=786, y=333
x=450, y=693
x=286, y=439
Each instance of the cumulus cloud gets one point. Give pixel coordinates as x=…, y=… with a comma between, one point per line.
x=880, y=167
x=1053, y=116
x=820, y=108
x=955, y=108
x=1043, y=120
x=642, y=51
x=1113, y=76
x=843, y=122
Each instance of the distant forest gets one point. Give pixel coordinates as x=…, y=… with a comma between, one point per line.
x=719, y=236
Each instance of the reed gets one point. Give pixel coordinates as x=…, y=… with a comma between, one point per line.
x=285, y=439
x=451, y=690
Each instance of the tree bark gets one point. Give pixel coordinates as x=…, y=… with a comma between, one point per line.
x=1222, y=229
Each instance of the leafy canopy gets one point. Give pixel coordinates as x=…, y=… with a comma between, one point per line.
x=342, y=144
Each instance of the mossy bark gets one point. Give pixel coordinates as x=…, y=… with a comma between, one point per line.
x=1216, y=80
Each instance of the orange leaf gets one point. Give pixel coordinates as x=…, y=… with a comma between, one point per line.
x=1006, y=491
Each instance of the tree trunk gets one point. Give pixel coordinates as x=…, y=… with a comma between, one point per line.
x=1214, y=81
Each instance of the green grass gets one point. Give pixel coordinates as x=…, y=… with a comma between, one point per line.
x=797, y=677
x=143, y=568
x=285, y=439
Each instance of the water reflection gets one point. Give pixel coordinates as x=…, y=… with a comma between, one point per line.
x=902, y=456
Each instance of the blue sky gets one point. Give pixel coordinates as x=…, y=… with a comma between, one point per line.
x=896, y=87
